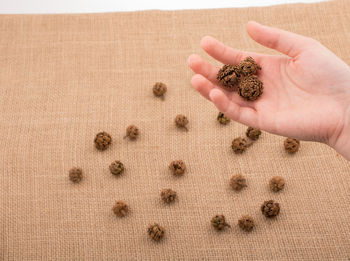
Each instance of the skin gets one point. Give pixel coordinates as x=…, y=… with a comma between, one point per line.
x=306, y=91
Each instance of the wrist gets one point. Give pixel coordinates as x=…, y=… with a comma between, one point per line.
x=340, y=140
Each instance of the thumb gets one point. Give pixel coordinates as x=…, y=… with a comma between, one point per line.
x=285, y=42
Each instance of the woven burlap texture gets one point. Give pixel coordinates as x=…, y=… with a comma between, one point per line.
x=63, y=78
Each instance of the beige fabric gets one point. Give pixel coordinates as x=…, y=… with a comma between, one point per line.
x=63, y=78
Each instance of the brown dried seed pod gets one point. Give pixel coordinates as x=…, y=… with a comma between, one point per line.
x=168, y=195
x=223, y=119
x=132, y=132
x=246, y=223
x=291, y=145
x=219, y=222
x=102, y=140
x=159, y=89
x=75, y=174
x=120, y=208
x=248, y=66
x=228, y=76
x=177, y=167
x=270, y=208
x=253, y=133
x=116, y=167
x=238, y=182
x=277, y=183
x=239, y=145
x=155, y=231
x=181, y=121
x=250, y=88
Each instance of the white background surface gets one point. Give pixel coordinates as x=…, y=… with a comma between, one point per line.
x=93, y=6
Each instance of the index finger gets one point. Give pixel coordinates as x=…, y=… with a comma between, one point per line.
x=225, y=54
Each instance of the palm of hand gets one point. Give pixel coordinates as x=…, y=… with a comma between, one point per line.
x=298, y=100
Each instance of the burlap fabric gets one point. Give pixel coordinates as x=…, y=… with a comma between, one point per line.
x=63, y=78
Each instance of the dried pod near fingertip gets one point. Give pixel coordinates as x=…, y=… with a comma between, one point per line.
x=253, y=133
x=228, y=76
x=168, y=195
x=219, y=222
x=155, y=232
x=132, y=132
x=177, y=167
x=239, y=145
x=120, y=208
x=250, y=88
x=238, y=182
x=102, y=140
x=291, y=145
x=75, y=174
x=223, y=119
x=276, y=183
x=270, y=208
x=116, y=167
x=248, y=66
x=181, y=121
x=246, y=223
x=159, y=89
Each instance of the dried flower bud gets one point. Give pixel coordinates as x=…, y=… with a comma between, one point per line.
x=168, y=195
x=223, y=119
x=238, y=182
x=103, y=140
x=270, y=208
x=120, y=208
x=250, y=88
x=155, y=232
x=116, y=167
x=75, y=174
x=132, y=132
x=248, y=66
x=159, y=89
x=219, y=222
x=228, y=76
x=291, y=145
x=239, y=145
x=181, y=121
x=253, y=133
x=276, y=183
x=177, y=167
x=246, y=223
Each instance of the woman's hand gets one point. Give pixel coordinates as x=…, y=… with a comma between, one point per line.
x=306, y=91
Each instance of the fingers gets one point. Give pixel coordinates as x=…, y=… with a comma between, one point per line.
x=225, y=101
x=223, y=53
x=285, y=42
x=244, y=115
x=202, y=85
x=200, y=66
